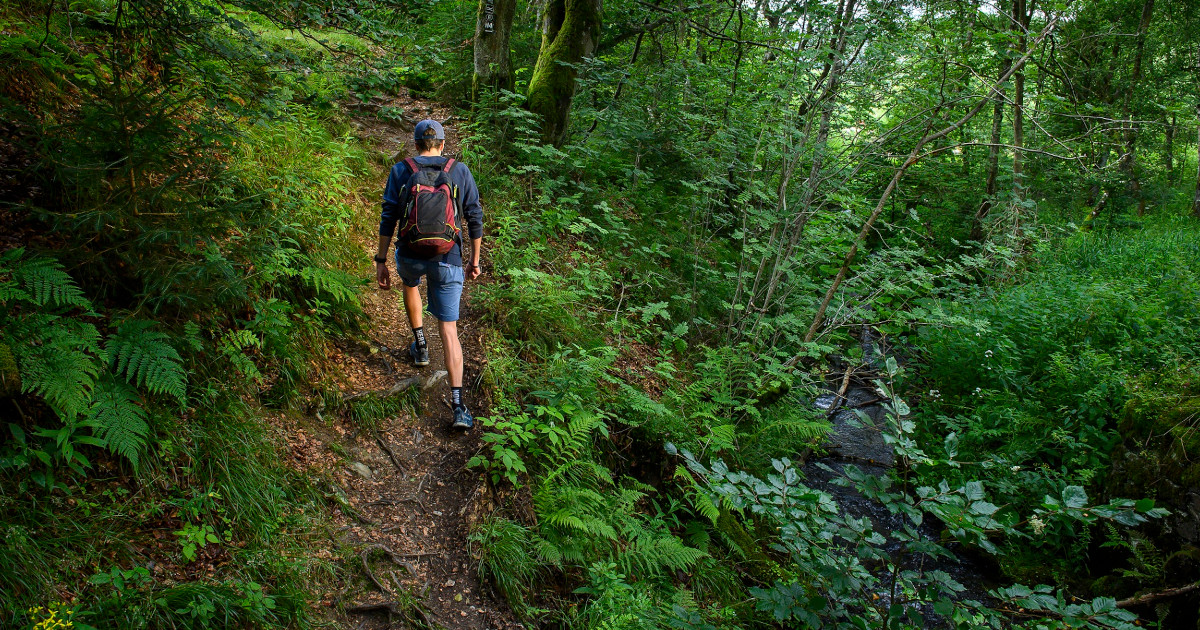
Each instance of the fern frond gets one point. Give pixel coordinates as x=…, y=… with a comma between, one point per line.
x=234, y=346
x=10, y=289
x=626, y=499
x=333, y=282
x=801, y=427
x=650, y=555
x=48, y=285
x=700, y=499
x=548, y=551
x=585, y=524
x=59, y=362
x=578, y=471
x=146, y=359
x=118, y=419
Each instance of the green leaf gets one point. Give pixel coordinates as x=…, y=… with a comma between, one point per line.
x=1074, y=497
x=100, y=578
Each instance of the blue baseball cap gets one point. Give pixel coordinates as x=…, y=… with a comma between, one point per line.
x=429, y=128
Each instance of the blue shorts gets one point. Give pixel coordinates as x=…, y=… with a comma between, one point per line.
x=445, y=284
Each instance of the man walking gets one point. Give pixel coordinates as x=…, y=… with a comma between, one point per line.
x=430, y=197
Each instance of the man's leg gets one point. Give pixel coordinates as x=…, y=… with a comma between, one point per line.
x=412, y=305
x=453, y=352
x=445, y=291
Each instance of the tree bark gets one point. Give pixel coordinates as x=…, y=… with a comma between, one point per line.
x=1196, y=197
x=1169, y=150
x=1129, y=159
x=570, y=31
x=1020, y=24
x=493, y=59
x=991, y=187
x=965, y=82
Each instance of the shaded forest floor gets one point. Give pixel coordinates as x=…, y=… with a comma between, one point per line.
x=409, y=501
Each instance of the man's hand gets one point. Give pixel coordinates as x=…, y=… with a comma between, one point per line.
x=473, y=271
x=382, y=276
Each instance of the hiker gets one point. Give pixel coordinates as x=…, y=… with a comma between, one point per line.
x=430, y=197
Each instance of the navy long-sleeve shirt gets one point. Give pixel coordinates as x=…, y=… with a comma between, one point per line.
x=395, y=198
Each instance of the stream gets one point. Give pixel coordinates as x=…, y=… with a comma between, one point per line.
x=853, y=442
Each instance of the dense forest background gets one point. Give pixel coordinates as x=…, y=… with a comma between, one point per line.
x=702, y=217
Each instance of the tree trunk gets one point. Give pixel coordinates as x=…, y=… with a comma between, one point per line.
x=1169, y=150
x=991, y=187
x=1196, y=197
x=965, y=83
x=1129, y=159
x=776, y=263
x=493, y=60
x=570, y=31
x=1020, y=24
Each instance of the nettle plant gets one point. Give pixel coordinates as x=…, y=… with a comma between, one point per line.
x=845, y=573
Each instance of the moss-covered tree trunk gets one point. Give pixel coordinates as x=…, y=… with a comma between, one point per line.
x=570, y=31
x=493, y=59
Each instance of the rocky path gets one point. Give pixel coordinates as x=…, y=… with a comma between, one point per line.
x=408, y=500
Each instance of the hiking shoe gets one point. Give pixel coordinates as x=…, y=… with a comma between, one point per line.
x=462, y=419
x=419, y=354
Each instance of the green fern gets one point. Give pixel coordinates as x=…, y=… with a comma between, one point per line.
x=49, y=285
x=698, y=497
x=39, y=281
x=58, y=361
x=118, y=419
x=577, y=509
x=333, y=282
x=803, y=427
x=147, y=360
x=234, y=346
x=653, y=554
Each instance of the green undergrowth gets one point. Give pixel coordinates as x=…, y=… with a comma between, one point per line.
x=1081, y=372
x=193, y=207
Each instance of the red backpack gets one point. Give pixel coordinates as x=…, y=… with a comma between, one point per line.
x=430, y=226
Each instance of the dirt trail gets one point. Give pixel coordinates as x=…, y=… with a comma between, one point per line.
x=408, y=483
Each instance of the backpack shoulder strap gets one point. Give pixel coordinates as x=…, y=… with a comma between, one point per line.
x=412, y=165
x=449, y=165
